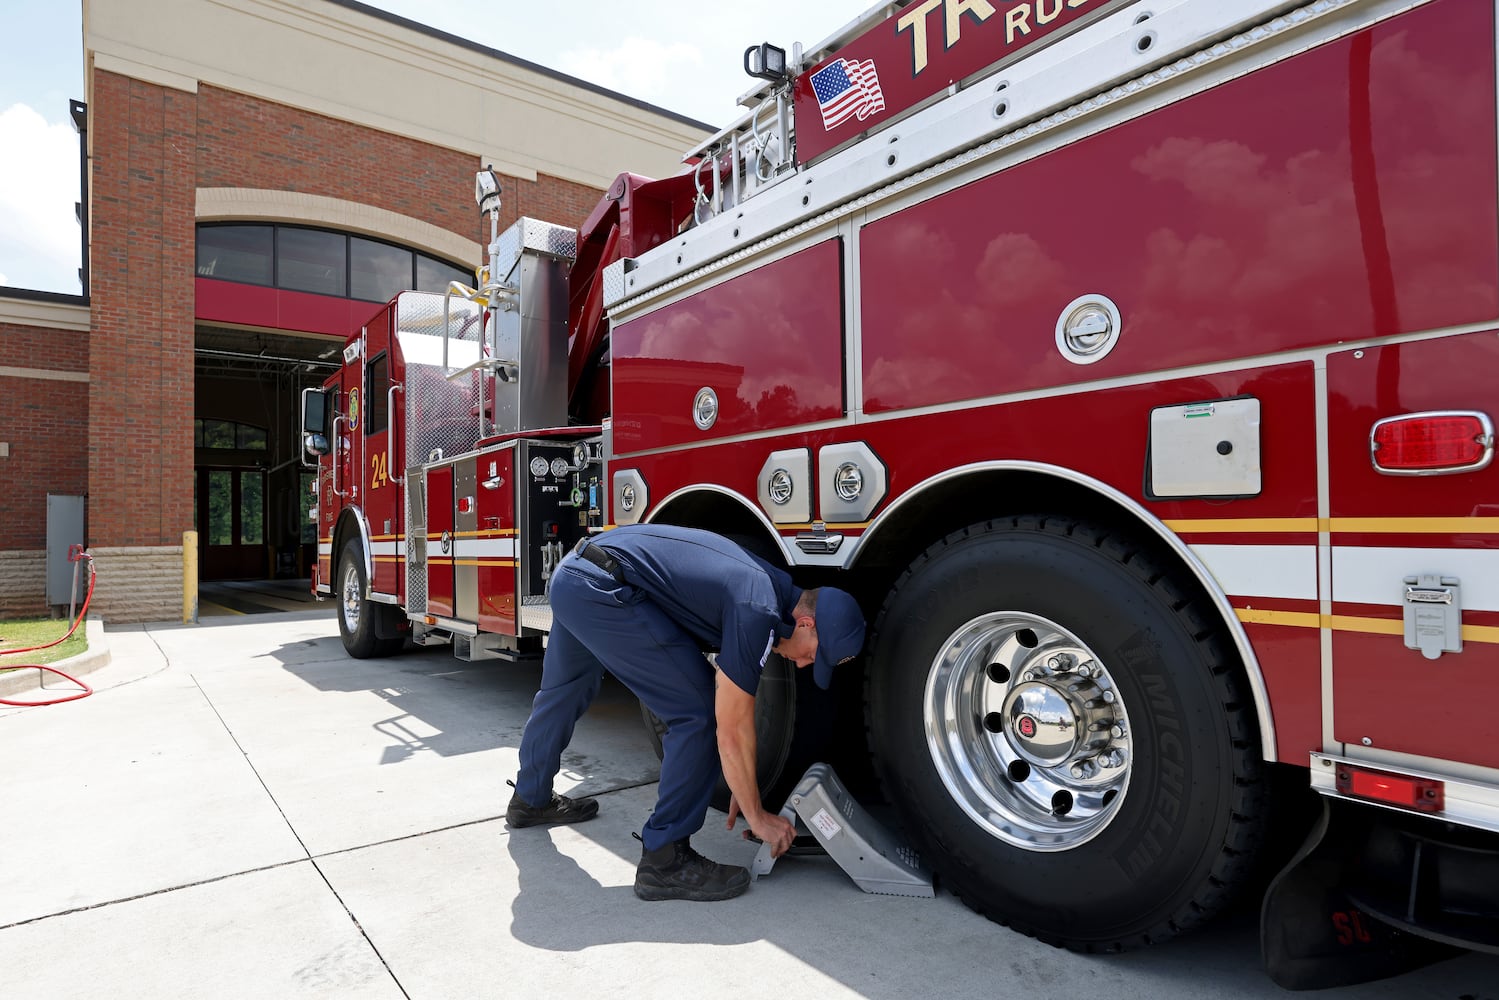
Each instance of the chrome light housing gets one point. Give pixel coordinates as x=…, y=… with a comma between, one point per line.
x=631, y=498
x=785, y=486
x=851, y=482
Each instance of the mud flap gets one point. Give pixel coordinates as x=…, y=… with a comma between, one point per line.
x=1313, y=936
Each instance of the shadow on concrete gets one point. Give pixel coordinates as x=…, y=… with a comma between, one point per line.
x=450, y=707
x=227, y=598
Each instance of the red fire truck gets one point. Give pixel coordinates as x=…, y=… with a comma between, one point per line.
x=1133, y=362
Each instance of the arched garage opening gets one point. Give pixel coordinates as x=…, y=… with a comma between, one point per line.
x=274, y=303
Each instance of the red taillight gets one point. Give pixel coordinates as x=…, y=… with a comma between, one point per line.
x=1421, y=794
x=1428, y=443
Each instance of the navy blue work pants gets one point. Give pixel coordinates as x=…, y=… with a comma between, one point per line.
x=599, y=623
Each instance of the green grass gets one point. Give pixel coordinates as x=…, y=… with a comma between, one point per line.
x=24, y=632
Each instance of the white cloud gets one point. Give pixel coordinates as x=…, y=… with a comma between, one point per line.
x=643, y=68
x=39, y=240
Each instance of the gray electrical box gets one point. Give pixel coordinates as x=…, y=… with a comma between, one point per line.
x=64, y=530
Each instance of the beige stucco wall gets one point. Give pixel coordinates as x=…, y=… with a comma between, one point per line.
x=353, y=66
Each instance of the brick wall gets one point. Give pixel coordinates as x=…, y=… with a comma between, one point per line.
x=141, y=360
x=43, y=420
x=244, y=141
x=249, y=142
x=153, y=147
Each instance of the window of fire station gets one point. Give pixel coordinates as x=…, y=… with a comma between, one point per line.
x=309, y=260
x=227, y=435
x=321, y=261
x=236, y=253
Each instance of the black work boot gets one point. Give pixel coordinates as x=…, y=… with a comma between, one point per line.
x=560, y=810
x=676, y=871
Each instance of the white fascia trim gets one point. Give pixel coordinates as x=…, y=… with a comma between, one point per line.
x=287, y=50
x=50, y=315
x=145, y=72
x=46, y=374
x=228, y=204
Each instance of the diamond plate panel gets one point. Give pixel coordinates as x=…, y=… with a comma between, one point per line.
x=614, y=281
x=439, y=418
x=536, y=236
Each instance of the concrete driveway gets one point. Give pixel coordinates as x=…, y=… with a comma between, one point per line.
x=243, y=811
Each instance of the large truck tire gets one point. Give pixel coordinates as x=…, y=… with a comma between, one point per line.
x=368, y=629
x=775, y=729
x=1066, y=733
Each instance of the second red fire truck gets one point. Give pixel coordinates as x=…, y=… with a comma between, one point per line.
x=1133, y=362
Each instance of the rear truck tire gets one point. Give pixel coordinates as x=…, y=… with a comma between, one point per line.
x=775, y=728
x=368, y=629
x=1066, y=733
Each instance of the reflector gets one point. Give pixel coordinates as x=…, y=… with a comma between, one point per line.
x=1430, y=443
x=1421, y=794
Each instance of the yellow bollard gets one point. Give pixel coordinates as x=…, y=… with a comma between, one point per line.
x=190, y=577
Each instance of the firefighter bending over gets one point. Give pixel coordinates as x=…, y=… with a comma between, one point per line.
x=641, y=601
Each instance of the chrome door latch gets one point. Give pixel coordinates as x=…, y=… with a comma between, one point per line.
x=1433, y=615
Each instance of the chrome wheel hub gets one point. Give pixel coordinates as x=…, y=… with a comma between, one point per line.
x=350, y=599
x=1027, y=731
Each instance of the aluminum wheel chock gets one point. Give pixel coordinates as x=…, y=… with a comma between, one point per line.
x=871, y=855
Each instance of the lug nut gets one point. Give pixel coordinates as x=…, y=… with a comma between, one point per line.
x=1114, y=758
x=1083, y=769
x=1108, y=697
x=1061, y=663
x=1118, y=731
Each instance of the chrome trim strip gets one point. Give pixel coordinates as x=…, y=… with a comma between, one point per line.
x=1466, y=802
x=745, y=502
x=1323, y=423
x=357, y=513
x=451, y=625
x=1145, y=517
x=1300, y=354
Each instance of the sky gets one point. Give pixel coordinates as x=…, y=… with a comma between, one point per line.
x=683, y=57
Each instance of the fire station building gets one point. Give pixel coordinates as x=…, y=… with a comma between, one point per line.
x=260, y=176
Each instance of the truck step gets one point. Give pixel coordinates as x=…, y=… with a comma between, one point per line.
x=870, y=854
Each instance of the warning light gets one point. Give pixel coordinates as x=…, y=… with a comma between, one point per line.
x=1433, y=443
x=1421, y=794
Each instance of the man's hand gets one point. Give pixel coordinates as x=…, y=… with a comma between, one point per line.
x=773, y=829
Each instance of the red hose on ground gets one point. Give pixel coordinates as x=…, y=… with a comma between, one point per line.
x=77, y=554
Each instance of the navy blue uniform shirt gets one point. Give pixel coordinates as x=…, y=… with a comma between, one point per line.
x=729, y=599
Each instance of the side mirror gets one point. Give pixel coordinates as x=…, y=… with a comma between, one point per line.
x=315, y=427
x=317, y=444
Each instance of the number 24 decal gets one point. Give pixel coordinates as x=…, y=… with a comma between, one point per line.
x=381, y=475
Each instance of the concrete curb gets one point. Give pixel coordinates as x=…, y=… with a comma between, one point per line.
x=96, y=656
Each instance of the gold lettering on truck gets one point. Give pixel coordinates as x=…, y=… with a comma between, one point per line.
x=982, y=10
x=915, y=20
x=1018, y=22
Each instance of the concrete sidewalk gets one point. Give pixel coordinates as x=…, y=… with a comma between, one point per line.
x=243, y=811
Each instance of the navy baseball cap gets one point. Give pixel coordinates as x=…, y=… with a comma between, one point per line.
x=840, y=633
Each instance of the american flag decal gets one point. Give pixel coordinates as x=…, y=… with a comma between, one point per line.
x=847, y=88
